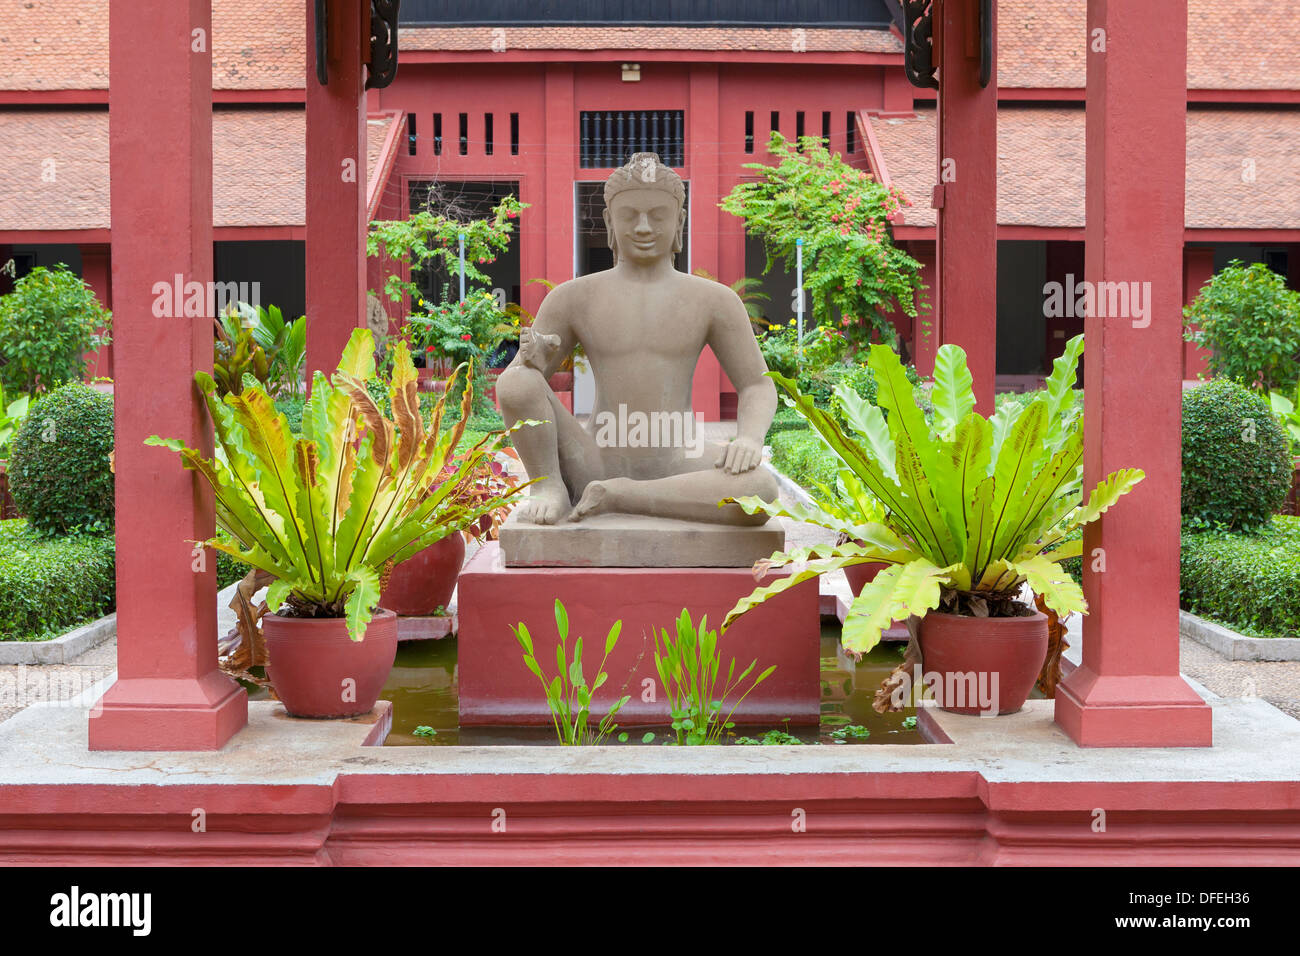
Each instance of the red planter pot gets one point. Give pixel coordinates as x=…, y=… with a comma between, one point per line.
x=421, y=584
x=860, y=575
x=318, y=671
x=974, y=657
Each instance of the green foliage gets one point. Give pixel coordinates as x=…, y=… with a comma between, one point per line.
x=13, y=410
x=238, y=358
x=963, y=510
x=801, y=455
x=773, y=738
x=427, y=239
x=47, y=326
x=51, y=585
x=229, y=570
x=1250, y=321
x=1285, y=407
x=326, y=512
x=1236, y=464
x=1249, y=581
x=849, y=732
x=853, y=272
x=568, y=693
x=688, y=667
x=59, y=472
x=286, y=345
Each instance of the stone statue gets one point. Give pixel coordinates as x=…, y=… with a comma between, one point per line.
x=643, y=326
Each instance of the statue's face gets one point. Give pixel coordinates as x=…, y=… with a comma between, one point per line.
x=645, y=224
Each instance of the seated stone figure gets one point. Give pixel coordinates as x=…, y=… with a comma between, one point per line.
x=642, y=325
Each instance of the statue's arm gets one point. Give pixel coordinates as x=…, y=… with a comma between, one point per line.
x=549, y=340
x=732, y=338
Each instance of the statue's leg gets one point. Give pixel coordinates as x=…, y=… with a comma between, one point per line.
x=692, y=495
x=561, y=450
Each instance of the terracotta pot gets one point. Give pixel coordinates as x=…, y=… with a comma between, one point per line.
x=860, y=575
x=966, y=653
x=423, y=583
x=318, y=671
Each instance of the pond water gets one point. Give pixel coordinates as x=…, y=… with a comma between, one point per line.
x=422, y=688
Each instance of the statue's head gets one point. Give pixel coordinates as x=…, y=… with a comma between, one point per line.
x=645, y=209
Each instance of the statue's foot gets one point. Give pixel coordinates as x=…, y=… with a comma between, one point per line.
x=546, y=503
x=598, y=498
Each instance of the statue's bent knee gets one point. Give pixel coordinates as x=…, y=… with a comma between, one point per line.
x=520, y=387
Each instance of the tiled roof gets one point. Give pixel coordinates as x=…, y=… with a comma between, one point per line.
x=1241, y=45
x=63, y=44
x=1041, y=166
x=260, y=44
x=772, y=39
x=257, y=168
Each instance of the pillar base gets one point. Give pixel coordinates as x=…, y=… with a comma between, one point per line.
x=148, y=713
x=1132, y=711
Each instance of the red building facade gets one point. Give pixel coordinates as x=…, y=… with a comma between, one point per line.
x=483, y=108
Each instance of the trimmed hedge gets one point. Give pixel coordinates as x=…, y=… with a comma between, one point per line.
x=802, y=456
x=50, y=585
x=1249, y=581
x=1236, y=459
x=58, y=468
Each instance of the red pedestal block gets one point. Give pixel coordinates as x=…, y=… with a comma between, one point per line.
x=497, y=689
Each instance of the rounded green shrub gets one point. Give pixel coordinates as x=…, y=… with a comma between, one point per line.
x=59, y=470
x=1236, y=464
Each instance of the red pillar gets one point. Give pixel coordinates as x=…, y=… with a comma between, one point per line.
x=1198, y=269
x=561, y=167
x=967, y=194
x=169, y=694
x=1128, y=691
x=336, y=184
x=96, y=272
x=706, y=386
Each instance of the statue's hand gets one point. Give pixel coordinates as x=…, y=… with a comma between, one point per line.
x=537, y=348
x=740, y=456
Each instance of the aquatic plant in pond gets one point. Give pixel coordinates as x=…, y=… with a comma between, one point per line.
x=689, y=666
x=568, y=693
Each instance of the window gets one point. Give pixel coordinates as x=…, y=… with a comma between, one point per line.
x=850, y=133
x=411, y=139
x=826, y=128
x=798, y=128
x=749, y=131
x=437, y=134
x=464, y=134
x=610, y=137
x=514, y=134
x=487, y=133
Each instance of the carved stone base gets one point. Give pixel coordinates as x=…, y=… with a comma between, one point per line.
x=497, y=689
x=633, y=541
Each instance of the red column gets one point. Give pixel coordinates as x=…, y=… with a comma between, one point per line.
x=96, y=272
x=336, y=184
x=1198, y=269
x=561, y=167
x=967, y=194
x=1128, y=691
x=169, y=694
x=702, y=115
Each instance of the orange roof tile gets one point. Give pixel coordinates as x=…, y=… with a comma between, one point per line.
x=258, y=168
x=773, y=39
x=1242, y=45
x=1041, y=166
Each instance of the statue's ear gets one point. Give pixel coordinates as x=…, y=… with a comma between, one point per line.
x=678, y=242
x=609, y=233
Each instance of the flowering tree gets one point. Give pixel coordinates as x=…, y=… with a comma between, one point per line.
x=851, y=265
x=427, y=239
